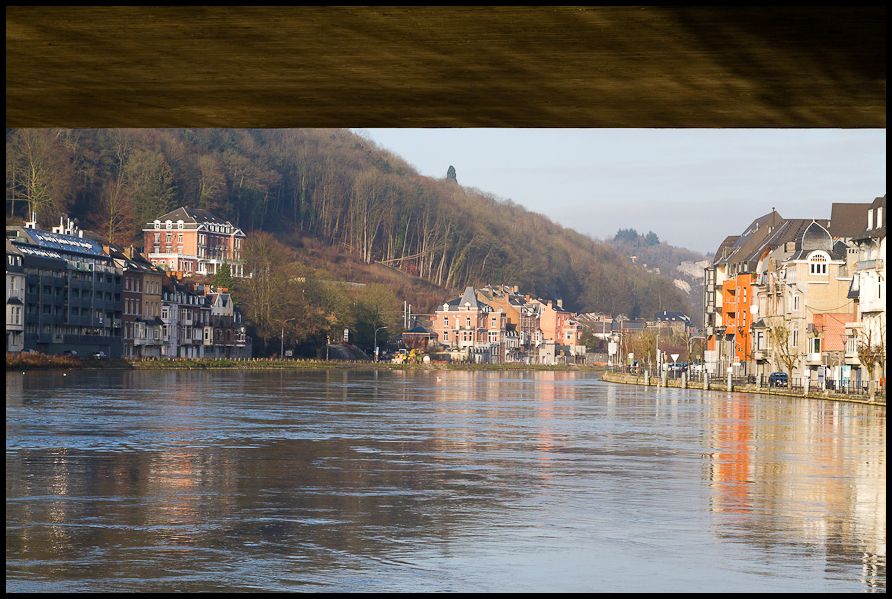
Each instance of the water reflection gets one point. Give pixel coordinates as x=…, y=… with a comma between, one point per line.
x=802, y=474
x=455, y=480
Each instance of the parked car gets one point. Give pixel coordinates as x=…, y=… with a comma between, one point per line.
x=70, y=352
x=778, y=379
x=678, y=366
x=100, y=355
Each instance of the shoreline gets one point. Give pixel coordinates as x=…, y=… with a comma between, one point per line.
x=630, y=379
x=68, y=363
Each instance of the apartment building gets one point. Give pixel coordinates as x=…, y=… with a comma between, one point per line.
x=72, y=291
x=15, y=299
x=471, y=329
x=194, y=241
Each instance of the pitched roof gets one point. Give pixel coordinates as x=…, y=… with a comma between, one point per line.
x=848, y=220
x=469, y=297
x=751, y=239
x=787, y=231
x=875, y=232
x=193, y=216
x=666, y=315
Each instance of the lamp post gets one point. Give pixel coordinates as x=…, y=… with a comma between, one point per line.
x=376, y=341
x=282, y=344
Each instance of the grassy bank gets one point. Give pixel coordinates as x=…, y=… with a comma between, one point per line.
x=632, y=379
x=267, y=363
x=35, y=361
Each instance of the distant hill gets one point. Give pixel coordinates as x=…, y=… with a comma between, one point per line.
x=683, y=266
x=330, y=186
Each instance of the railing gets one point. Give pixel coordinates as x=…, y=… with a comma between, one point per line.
x=876, y=264
x=762, y=383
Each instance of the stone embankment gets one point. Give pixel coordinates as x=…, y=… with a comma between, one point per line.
x=639, y=379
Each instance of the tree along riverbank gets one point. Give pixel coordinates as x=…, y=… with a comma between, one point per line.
x=633, y=379
x=32, y=361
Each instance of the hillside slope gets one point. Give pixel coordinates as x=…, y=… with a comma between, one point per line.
x=330, y=185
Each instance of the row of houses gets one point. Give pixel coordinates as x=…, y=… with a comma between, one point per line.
x=498, y=324
x=67, y=292
x=801, y=295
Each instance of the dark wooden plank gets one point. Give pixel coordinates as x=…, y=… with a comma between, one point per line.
x=451, y=67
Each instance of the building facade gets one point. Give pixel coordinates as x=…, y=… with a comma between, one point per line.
x=15, y=299
x=72, y=292
x=193, y=241
x=470, y=329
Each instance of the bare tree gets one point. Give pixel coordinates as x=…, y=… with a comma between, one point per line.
x=785, y=353
x=872, y=354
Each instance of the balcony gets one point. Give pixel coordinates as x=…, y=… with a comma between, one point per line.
x=863, y=265
x=813, y=359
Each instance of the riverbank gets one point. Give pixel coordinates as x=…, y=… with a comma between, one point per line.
x=33, y=361
x=633, y=379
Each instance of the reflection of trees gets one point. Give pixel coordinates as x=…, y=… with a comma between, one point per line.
x=337, y=473
x=805, y=476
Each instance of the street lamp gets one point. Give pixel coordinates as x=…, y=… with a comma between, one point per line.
x=376, y=341
x=282, y=345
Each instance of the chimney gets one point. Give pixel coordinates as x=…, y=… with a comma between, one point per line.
x=560, y=304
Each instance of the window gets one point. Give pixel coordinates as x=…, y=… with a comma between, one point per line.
x=795, y=337
x=815, y=345
x=879, y=217
x=818, y=264
x=493, y=321
x=445, y=321
x=157, y=225
x=795, y=302
x=179, y=224
x=445, y=335
x=468, y=322
x=179, y=238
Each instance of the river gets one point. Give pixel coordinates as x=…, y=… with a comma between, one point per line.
x=353, y=480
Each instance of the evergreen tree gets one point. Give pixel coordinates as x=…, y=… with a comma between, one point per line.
x=223, y=278
x=450, y=174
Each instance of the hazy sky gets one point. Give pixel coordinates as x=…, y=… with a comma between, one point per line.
x=693, y=187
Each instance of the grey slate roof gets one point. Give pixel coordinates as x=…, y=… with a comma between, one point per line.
x=848, y=220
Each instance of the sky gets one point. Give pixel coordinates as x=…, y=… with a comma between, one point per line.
x=692, y=187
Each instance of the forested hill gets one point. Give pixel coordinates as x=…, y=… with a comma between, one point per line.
x=330, y=184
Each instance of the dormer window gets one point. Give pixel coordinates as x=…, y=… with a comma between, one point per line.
x=179, y=224
x=168, y=224
x=157, y=224
x=869, y=220
x=817, y=263
x=879, y=216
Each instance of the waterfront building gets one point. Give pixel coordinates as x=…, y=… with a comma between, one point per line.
x=194, y=242
x=15, y=299
x=868, y=290
x=676, y=322
x=471, y=329
x=225, y=334
x=728, y=297
x=184, y=314
x=141, y=302
x=72, y=291
x=811, y=278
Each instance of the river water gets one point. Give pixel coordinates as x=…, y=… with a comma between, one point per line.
x=348, y=480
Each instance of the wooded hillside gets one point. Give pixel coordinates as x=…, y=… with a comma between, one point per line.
x=331, y=184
